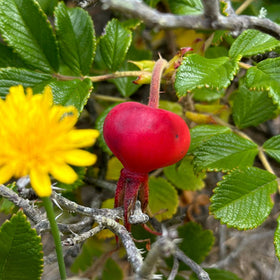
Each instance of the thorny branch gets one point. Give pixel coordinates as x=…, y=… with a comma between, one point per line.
x=165, y=246
x=211, y=19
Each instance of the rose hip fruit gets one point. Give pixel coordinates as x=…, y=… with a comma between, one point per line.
x=143, y=138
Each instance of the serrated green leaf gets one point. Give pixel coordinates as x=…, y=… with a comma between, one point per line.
x=207, y=94
x=74, y=92
x=48, y=6
x=197, y=71
x=266, y=75
x=250, y=108
x=277, y=239
x=202, y=133
x=182, y=175
x=185, y=7
x=217, y=274
x=111, y=270
x=8, y=58
x=28, y=78
x=21, y=255
x=99, y=126
x=163, y=199
x=272, y=147
x=252, y=42
x=114, y=44
x=25, y=28
x=243, y=198
x=224, y=152
x=76, y=38
x=196, y=242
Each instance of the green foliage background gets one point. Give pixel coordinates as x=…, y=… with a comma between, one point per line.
x=231, y=86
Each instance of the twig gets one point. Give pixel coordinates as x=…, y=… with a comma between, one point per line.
x=82, y=237
x=150, y=16
x=174, y=269
x=164, y=247
x=200, y=273
x=211, y=9
x=32, y=213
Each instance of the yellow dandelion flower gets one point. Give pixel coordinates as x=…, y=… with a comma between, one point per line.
x=38, y=138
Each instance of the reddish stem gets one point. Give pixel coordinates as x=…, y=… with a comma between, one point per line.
x=155, y=83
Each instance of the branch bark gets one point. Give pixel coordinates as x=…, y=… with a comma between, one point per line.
x=211, y=19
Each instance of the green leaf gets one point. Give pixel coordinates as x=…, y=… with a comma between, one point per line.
x=74, y=92
x=196, y=242
x=99, y=126
x=21, y=255
x=202, y=133
x=8, y=58
x=48, y=6
x=207, y=94
x=265, y=75
x=76, y=38
x=217, y=274
x=185, y=7
x=197, y=72
x=250, y=108
x=252, y=42
x=277, y=239
x=25, y=28
x=114, y=168
x=163, y=199
x=243, y=198
x=272, y=147
x=28, y=78
x=182, y=175
x=111, y=270
x=92, y=249
x=115, y=44
x=225, y=152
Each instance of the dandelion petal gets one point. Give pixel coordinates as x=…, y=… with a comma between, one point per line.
x=40, y=182
x=64, y=173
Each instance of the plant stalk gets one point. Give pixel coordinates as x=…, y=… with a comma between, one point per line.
x=55, y=233
x=155, y=83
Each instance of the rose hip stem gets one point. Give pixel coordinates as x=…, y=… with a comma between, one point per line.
x=155, y=83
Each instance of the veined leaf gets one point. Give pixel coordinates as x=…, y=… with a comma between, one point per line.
x=182, y=175
x=27, y=30
x=76, y=38
x=277, y=239
x=202, y=133
x=243, y=198
x=163, y=199
x=114, y=44
x=75, y=92
x=8, y=58
x=272, y=147
x=196, y=242
x=21, y=252
x=15, y=76
x=197, y=71
x=185, y=7
x=48, y=6
x=225, y=152
x=266, y=75
x=250, y=108
x=252, y=42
